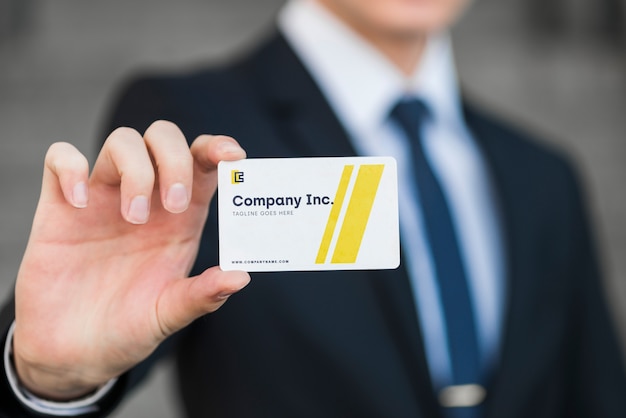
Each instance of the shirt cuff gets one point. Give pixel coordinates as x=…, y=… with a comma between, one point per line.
x=81, y=406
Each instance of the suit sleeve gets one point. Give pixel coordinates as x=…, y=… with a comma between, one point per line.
x=598, y=375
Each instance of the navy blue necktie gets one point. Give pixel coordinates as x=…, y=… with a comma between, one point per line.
x=449, y=267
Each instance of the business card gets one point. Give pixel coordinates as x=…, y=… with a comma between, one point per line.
x=298, y=214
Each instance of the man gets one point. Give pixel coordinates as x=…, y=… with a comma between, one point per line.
x=102, y=281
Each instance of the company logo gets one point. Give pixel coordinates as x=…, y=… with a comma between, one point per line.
x=236, y=177
x=357, y=213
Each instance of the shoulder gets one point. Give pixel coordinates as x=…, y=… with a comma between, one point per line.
x=517, y=149
x=148, y=95
x=531, y=174
x=190, y=93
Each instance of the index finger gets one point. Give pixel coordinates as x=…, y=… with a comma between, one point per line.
x=208, y=151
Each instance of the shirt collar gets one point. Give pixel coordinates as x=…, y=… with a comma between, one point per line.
x=360, y=83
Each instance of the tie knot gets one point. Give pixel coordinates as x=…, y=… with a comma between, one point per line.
x=410, y=113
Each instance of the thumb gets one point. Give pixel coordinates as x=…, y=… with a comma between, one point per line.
x=185, y=300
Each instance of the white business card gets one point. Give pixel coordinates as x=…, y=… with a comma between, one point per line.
x=295, y=214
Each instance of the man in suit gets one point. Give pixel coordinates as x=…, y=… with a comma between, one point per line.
x=372, y=343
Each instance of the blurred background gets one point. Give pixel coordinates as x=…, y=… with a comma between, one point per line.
x=556, y=67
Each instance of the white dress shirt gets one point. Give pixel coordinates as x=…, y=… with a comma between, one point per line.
x=362, y=86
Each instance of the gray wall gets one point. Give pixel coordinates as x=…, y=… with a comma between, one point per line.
x=61, y=60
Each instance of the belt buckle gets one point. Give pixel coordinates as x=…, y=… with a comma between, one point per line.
x=462, y=396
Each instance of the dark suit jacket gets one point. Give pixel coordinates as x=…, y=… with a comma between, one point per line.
x=348, y=344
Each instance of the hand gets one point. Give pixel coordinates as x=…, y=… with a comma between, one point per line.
x=104, y=277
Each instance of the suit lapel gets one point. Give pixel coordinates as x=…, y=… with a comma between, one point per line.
x=508, y=180
x=398, y=307
x=295, y=104
x=304, y=118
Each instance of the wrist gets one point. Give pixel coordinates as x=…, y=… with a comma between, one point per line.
x=38, y=378
x=75, y=407
x=52, y=385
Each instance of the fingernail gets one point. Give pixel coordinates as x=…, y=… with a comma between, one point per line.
x=177, y=198
x=138, y=210
x=79, y=195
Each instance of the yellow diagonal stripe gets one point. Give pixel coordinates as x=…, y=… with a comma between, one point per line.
x=334, y=214
x=358, y=213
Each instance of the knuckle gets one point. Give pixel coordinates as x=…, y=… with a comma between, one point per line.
x=123, y=132
x=121, y=137
x=162, y=126
x=203, y=138
x=64, y=156
x=58, y=148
